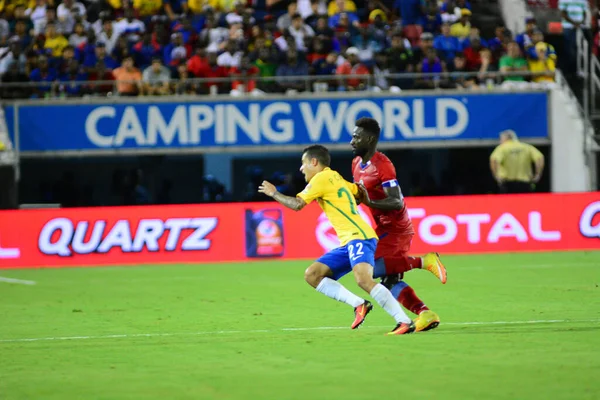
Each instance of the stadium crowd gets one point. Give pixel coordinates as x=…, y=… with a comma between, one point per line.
x=155, y=47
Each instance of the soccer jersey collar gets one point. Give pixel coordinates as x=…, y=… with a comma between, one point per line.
x=364, y=165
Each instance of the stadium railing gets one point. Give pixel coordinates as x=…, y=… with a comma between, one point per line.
x=310, y=83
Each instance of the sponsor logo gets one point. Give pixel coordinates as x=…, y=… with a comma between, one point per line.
x=440, y=229
x=275, y=122
x=62, y=237
x=586, y=222
x=6, y=253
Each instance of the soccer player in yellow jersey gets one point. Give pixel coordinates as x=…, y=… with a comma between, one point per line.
x=358, y=240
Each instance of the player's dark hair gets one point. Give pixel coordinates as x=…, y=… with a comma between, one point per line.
x=319, y=152
x=370, y=125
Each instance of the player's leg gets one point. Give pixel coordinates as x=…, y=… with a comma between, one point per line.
x=426, y=319
x=324, y=273
x=392, y=258
x=362, y=257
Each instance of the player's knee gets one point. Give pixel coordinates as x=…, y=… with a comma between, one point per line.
x=364, y=278
x=313, y=276
x=365, y=283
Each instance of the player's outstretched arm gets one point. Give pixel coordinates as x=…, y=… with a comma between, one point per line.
x=393, y=198
x=294, y=203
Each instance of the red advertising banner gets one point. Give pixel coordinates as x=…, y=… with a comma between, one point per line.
x=239, y=232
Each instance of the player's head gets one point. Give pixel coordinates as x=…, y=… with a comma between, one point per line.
x=314, y=159
x=365, y=136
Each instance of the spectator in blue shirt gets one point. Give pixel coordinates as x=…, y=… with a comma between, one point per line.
x=447, y=45
x=99, y=54
x=464, y=4
x=325, y=66
x=87, y=48
x=294, y=66
x=185, y=28
x=411, y=11
x=174, y=50
x=62, y=63
x=473, y=35
x=538, y=37
x=498, y=44
x=334, y=21
x=72, y=78
x=145, y=51
x=173, y=8
x=433, y=20
x=524, y=39
x=43, y=74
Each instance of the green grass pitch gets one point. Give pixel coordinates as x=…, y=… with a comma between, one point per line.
x=514, y=326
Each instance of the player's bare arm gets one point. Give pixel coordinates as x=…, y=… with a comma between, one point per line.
x=294, y=203
x=392, y=201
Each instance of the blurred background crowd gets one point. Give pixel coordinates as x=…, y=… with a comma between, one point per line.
x=74, y=48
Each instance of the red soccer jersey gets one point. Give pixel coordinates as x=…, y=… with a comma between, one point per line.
x=376, y=174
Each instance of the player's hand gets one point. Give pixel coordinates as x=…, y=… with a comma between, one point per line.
x=536, y=179
x=363, y=195
x=267, y=188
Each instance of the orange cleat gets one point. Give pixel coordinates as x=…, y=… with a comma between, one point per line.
x=403, y=329
x=360, y=313
x=433, y=264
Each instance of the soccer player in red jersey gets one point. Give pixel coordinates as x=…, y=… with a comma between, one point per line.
x=375, y=173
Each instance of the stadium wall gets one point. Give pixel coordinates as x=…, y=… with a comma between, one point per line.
x=176, y=125
x=256, y=231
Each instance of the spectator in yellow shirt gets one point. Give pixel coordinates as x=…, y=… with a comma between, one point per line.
x=333, y=7
x=115, y=4
x=9, y=5
x=511, y=163
x=543, y=64
x=147, y=8
x=197, y=6
x=462, y=28
x=54, y=42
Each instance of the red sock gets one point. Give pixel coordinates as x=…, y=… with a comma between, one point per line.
x=399, y=265
x=409, y=299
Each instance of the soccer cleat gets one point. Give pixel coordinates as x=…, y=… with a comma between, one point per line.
x=433, y=264
x=360, y=313
x=426, y=320
x=403, y=328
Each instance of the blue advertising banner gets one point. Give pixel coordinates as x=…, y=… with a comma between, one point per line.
x=276, y=122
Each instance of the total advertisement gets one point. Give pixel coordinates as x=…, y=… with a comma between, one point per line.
x=211, y=233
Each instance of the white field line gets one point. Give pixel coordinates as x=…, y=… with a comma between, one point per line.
x=17, y=281
x=317, y=328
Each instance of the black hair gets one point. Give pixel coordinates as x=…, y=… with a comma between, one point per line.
x=319, y=152
x=369, y=125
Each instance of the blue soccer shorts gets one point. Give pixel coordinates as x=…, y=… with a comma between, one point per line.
x=342, y=260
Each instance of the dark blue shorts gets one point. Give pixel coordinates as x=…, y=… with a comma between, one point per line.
x=343, y=259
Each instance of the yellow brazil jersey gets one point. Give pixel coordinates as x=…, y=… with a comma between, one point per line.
x=514, y=159
x=542, y=66
x=335, y=195
x=147, y=7
x=9, y=5
x=459, y=30
x=197, y=6
x=349, y=6
x=116, y=4
x=57, y=44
